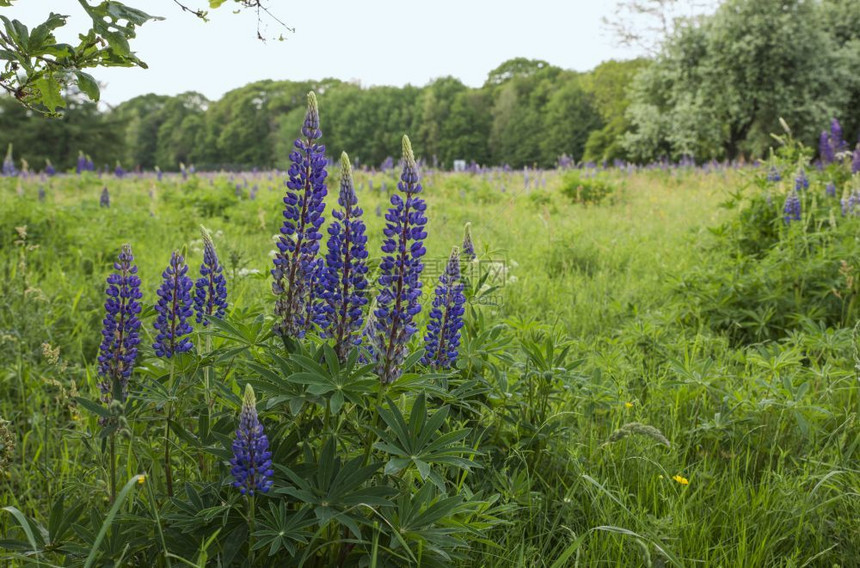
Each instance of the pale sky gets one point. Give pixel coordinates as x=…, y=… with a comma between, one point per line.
x=378, y=42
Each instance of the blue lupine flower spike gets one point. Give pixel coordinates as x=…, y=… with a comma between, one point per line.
x=791, y=210
x=442, y=340
x=296, y=266
x=121, y=331
x=174, y=309
x=401, y=267
x=344, y=277
x=210, y=290
x=252, y=461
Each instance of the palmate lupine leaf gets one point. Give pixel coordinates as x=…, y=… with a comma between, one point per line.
x=282, y=529
x=335, y=490
x=418, y=443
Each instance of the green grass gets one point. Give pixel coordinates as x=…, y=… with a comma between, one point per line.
x=766, y=434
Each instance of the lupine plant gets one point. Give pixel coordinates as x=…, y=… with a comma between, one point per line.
x=295, y=262
x=442, y=341
x=174, y=308
x=252, y=461
x=344, y=278
x=400, y=286
x=9, y=169
x=121, y=328
x=104, y=198
x=210, y=290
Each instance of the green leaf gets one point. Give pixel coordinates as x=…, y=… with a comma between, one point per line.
x=216, y=3
x=120, y=499
x=49, y=93
x=88, y=85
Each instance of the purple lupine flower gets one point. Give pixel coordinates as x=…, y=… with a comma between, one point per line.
x=830, y=190
x=791, y=209
x=825, y=148
x=9, y=169
x=801, y=182
x=121, y=331
x=855, y=161
x=468, y=246
x=49, y=168
x=82, y=162
x=118, y=171
x=158, y=173
x=344, y=276
x=252, y=461
x=210, y=293
x=174, y=309
x=401, y=267
x=295, y=261
x=104, y=198
x=837, y=141
x=442, y=340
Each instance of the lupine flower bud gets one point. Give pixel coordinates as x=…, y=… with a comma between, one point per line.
x=446, y=318
x=104, y=198
x=344, y=276
x=210, y=294
x=468, y=245
x=791, y=209
x=121, y=331
x=401, y=267
x=296, y=260
x=252, y=461
x=49, y=168
x=174, y=309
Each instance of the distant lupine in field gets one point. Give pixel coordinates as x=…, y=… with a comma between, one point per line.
x=118, y=170
x=41, y=193
x=468, y=245
x=49, y=168
x=830, y=190
x=344, y=277
x=252, y=461
x=825, y=148
x=855, y=161
x=442, y=340
x=82, y=163
x=104, y=198
x=210, y=294
x=791, y=209
x=9, y=169
x=174, y=309
x=121, y=327
x=801, y=182
x=298, y=245
x=773, y=175
x=836, y=138
x=401, y=267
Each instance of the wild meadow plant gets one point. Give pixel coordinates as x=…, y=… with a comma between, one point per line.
x=353, y=451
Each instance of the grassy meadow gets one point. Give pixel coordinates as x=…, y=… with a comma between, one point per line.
x=664, y=377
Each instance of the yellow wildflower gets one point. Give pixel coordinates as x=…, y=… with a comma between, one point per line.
x=141, y=479
x=628, y=405
x=681, y=480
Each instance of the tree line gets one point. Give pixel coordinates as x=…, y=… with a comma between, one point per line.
x=528, y=113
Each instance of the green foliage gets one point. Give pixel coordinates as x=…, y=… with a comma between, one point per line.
x=719, y=86
x=547, y=445
x=587, y=188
